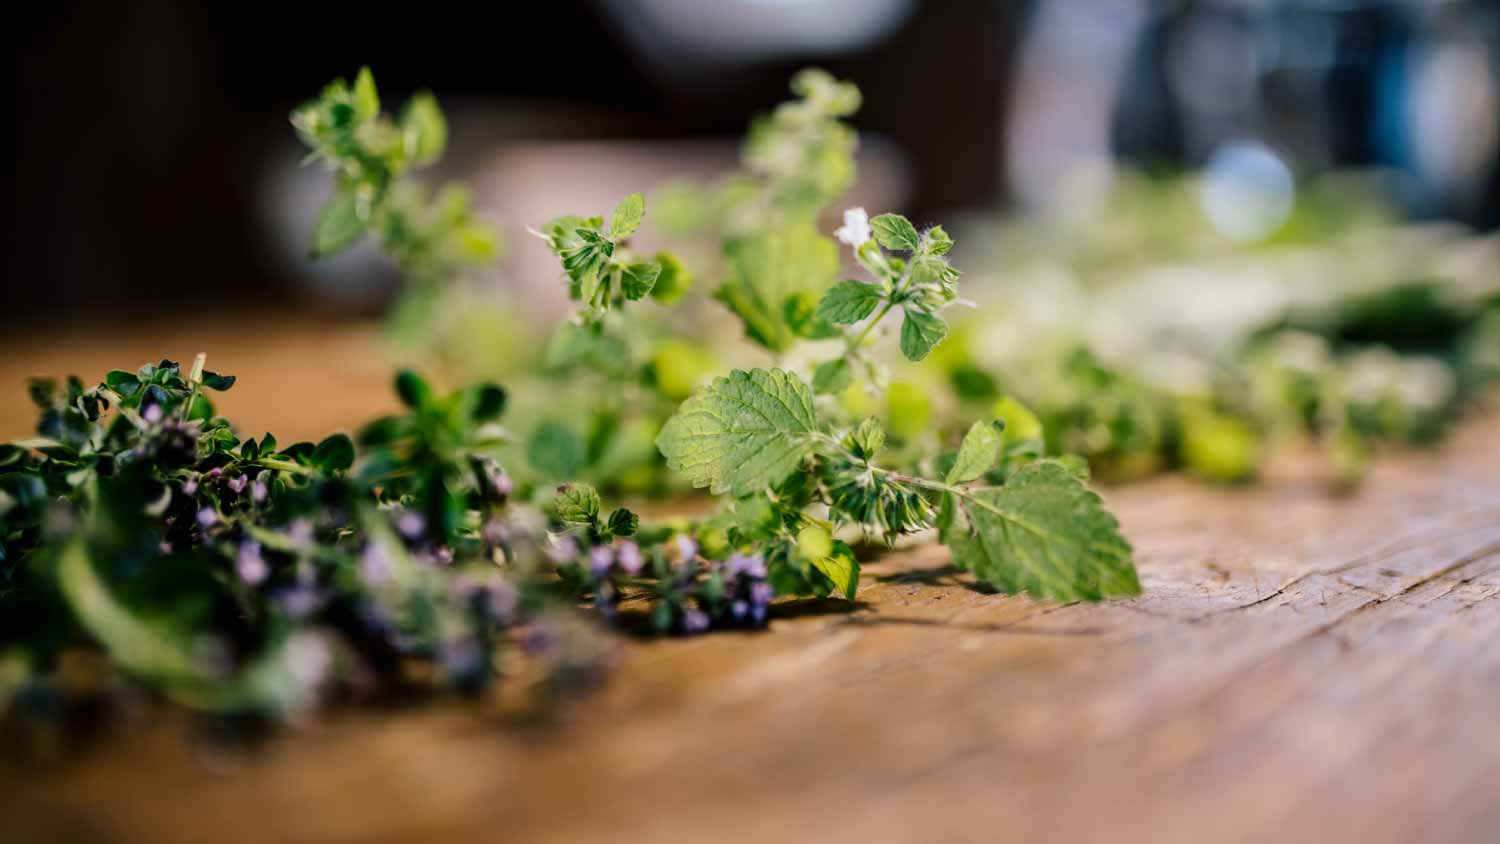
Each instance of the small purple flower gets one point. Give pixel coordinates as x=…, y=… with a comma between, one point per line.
x=761, y=594
x=258, y=491
x=687, y=547
x=501, y=599
x=410, y=524
x=560, y=548
x=215, y=472
x=300, y=533
x=237, y=484
x=601, y=557
x=502, y=482
x=461, y=657
x=443, y=555
x=300, y=601
x=747, y=564
x=375, y=566
x=250, y=564
x=152, y=413
x=694, y=621
x=495, y=531
x=307, y=658
x=190, y=486
x=207, y=518
x=739, y=609
x=628, y=555
x=164, y=547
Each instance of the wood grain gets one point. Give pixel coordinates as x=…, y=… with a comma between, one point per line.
x=1301, y=667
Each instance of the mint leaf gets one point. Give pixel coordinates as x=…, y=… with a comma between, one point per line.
x=339, y=225
x=868, y=438
x=1044, y=533
x=742, y=433
x=896, y=232
x=841, y=567
x=577, y=504
x=627, y=216
x=849, y=301
x=424, y=130
x=766, y=270
x=919, y=333
x=832, y=376
x=334, y=454
x=673, y=281
x=936, y=241
x=623, y=522
x=978, y=453
x=637, y=280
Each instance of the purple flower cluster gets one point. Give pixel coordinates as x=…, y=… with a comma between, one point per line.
x=747, y=594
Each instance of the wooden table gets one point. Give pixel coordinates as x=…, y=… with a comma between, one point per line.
x=1302, y=667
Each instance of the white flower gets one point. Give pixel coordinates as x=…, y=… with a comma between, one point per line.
x=856, y=228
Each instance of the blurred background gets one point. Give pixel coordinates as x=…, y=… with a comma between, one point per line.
x=156, y=168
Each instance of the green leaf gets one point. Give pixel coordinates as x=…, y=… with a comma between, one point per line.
x=849, y=301
x=122, y=382
x=895, y=232
x=1021, y=423
x=627, y=216
x=555, y=451
x=743, y=432
x=1044, y=533
x=577, y=504
x=936, y=241
x=215, y=381
x=768, y=268
x=868, y=438
x=832, y=376
x=638, y=279
x=801, y=315
x=335, y=454
x=622, y=522
x=413, y=390
x=424, y=130
x=339, y=225
x=978, y=453
x=920, y=332
x=673, y=282
x=366, y=100
x=488, y=402
x=841, y=567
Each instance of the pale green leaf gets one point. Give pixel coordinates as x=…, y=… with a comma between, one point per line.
x=366, y=100
x=921, y=331
x=832, y=376
x=1044, y=532
x=840, y=566
x=339, y=225
x=576, y=504
x=638, y=279
x=895, y=232
x=424, y=130
x=627, y=216
x=767, y=269
x=743, y=433
x=978, y=453
x=849, y=301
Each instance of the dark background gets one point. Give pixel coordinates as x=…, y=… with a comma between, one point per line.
x=143, y=128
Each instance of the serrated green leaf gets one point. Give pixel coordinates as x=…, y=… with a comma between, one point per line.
x=743, y=433
x=638, y=279
x=339, y=225
x=936, y=241
x=849, y=301
x=622, y=522
x=920, y=332
x=978, y=453
x=577, y=504
x=627, y=216
x=841, y=567
x=832, y=376
x=868, y=438
x=1044, y=533
x=895, y=232
x=555, y=450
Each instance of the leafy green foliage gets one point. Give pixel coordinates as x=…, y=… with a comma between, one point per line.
x=979, y=452
x=745, y=432
x=769, y=271
x=601, y=272
x=1043, y=533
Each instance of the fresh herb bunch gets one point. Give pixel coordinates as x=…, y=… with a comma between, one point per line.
x=242, y=575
